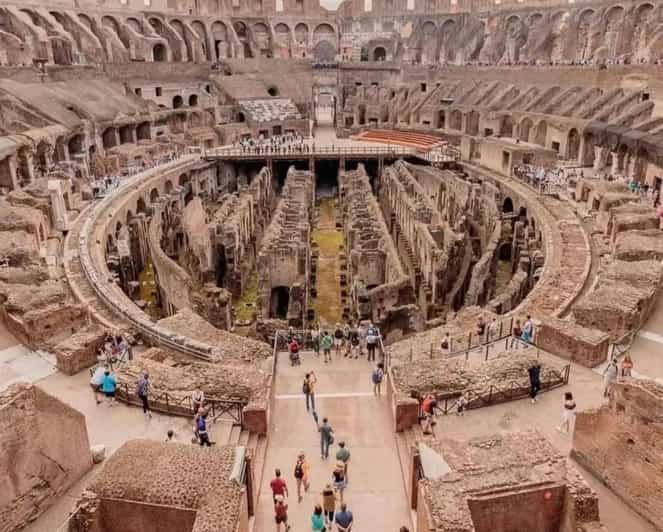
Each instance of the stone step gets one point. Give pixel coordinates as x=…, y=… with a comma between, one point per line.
x=235, y=433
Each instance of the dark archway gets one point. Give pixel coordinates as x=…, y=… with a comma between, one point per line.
x=193, y=100
x=154, y=195
x=241, y=117
x=573, y=145
x=507, y=206
x=141, y=206
x=279, y=301
x=379, y=54
x=177, y=102
x=159, y=53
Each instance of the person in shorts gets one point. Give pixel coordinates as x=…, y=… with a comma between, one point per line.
x=281, y=513
x=95, y=382
x=338, y=339
x=326, y=342
x=108, y=386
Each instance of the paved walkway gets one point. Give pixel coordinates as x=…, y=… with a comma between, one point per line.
x=375, y=493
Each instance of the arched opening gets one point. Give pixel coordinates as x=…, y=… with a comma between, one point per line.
x=177, y=102
x=126, y=135
x=273, y=91
x=168, y=187
x=154, y=195
x=279, y=301
x=143, y=131
x=130, y=215
x=75, y=145
x=241, y=117
x=379, y=54
x=118, y=228
x=573, y=145
x=541, y=133
x=525, y=128
x=455, y=120
x=471, y=123
x=588, y=150
x=506, y=127
x=193, y=100
x=507, y=206
x=221, y=266
x=141, y=206
x=505, y=251
x=109, y=138
x=159, y=53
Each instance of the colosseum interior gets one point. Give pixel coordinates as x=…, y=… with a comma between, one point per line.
x=464, y=194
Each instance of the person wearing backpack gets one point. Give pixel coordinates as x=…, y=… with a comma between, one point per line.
x=301, y=475
x=326, y=438
x=377, y=377
x=308, y=389
x=142, y=391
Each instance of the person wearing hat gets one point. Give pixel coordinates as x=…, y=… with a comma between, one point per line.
x=281, y=513
x=343, y=455
x=142, y=391
x=329, y=504
x=301, y=474
x=339, y=479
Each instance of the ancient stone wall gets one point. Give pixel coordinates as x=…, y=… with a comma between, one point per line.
x=44, y=450
x=620, y=443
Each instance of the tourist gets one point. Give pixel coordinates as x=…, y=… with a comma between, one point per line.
x=362, y=329
x=344, y=519
x=372, y=339
x=516, y=333
x=338, y=339
x=95, y=382
x=528, y=330
x=627, y=366
x=301, y=474
x=445, y=344
x=609, y=376
x=428, y=413
x=328, y=504
x=281, y=513
x=170, y=436
x=354, y=342
x=493, y=330
x=317, y=519
x=377, y=377
x=347, y=331
x=308, y=388
x=568, y=414
x=142, y=391
x=293, y=349
x=108, y=386
x=338, y=475
x=197, y=400
x=481, y=328
x=534, y=372
x=326, y=438
x=201, y=430
x=326, y=343
x=343, y=455
x=278, y=485
x=315, y=341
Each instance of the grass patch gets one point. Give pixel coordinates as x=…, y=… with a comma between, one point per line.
x=245, y=306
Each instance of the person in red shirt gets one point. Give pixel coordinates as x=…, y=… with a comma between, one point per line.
x=278, y=486
x=281, y=513
x=428, y=412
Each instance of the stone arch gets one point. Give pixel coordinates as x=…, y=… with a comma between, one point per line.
x=507, y=126
x=193, y=100
x=135, y=25
x=447, y=31
x=241, y=29
x=141, y=206
x=324, y=32
x=301, y=33
x=472, y=123
x=159, y=53
x=118, y=228
x=573, y=145
x=143, y=131
x=75, y=145
x=201, y=32
x=241, y=117
x=429, y=28
x=183, y=180
x=179, y=29
x=168, y=186
x=154, y=195
x=613, y=17
x=178, y=102
x=126, y=134
x=324, y=52
x=220, y=40
x=541, y=133
x=282, y=34
x=525, y=129
x=641, y=165
x=86, y=21
x=507, y=205
x=111, y=23
x=588, y=149
x=129, y=216
x=379, y=53
x=109, y=138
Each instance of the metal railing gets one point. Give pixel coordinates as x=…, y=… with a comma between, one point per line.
x=305, y=337
x=166, y=403
x=312, y=150
x=499, y=393
x=622, y=344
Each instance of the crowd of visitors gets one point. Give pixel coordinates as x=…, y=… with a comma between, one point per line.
x=287, y=143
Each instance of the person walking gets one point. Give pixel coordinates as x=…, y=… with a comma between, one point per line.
x=318, y=519
x=377, y=377
x=445, y=344
x=354, y=342
x=516, y=334
x=197, y=400
x=328, y=504
x=609, y=376
x=428, y=412
x=338, y=339
x=528, y=330
x=308, y=389
x=326, y=343
x=278, y=485
x=372, y=339
x=315, y=341
x=301, y=474
x=343, y=455
x=534, y=373
x=142, y=391
x=95, y=382
x=108, y=386
x=281, y=513
x=338, y=475
x=326, y=438
x=568, y=414
x=627, y=366
x=344, y=519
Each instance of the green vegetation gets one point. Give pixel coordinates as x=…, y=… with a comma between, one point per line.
x=245, y=306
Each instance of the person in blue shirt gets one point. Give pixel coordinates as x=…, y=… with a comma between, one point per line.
x=344, y=519
x=201, y=430
x=108, y=386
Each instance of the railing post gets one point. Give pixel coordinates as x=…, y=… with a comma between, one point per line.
x=431, y=350
x=501, y=325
